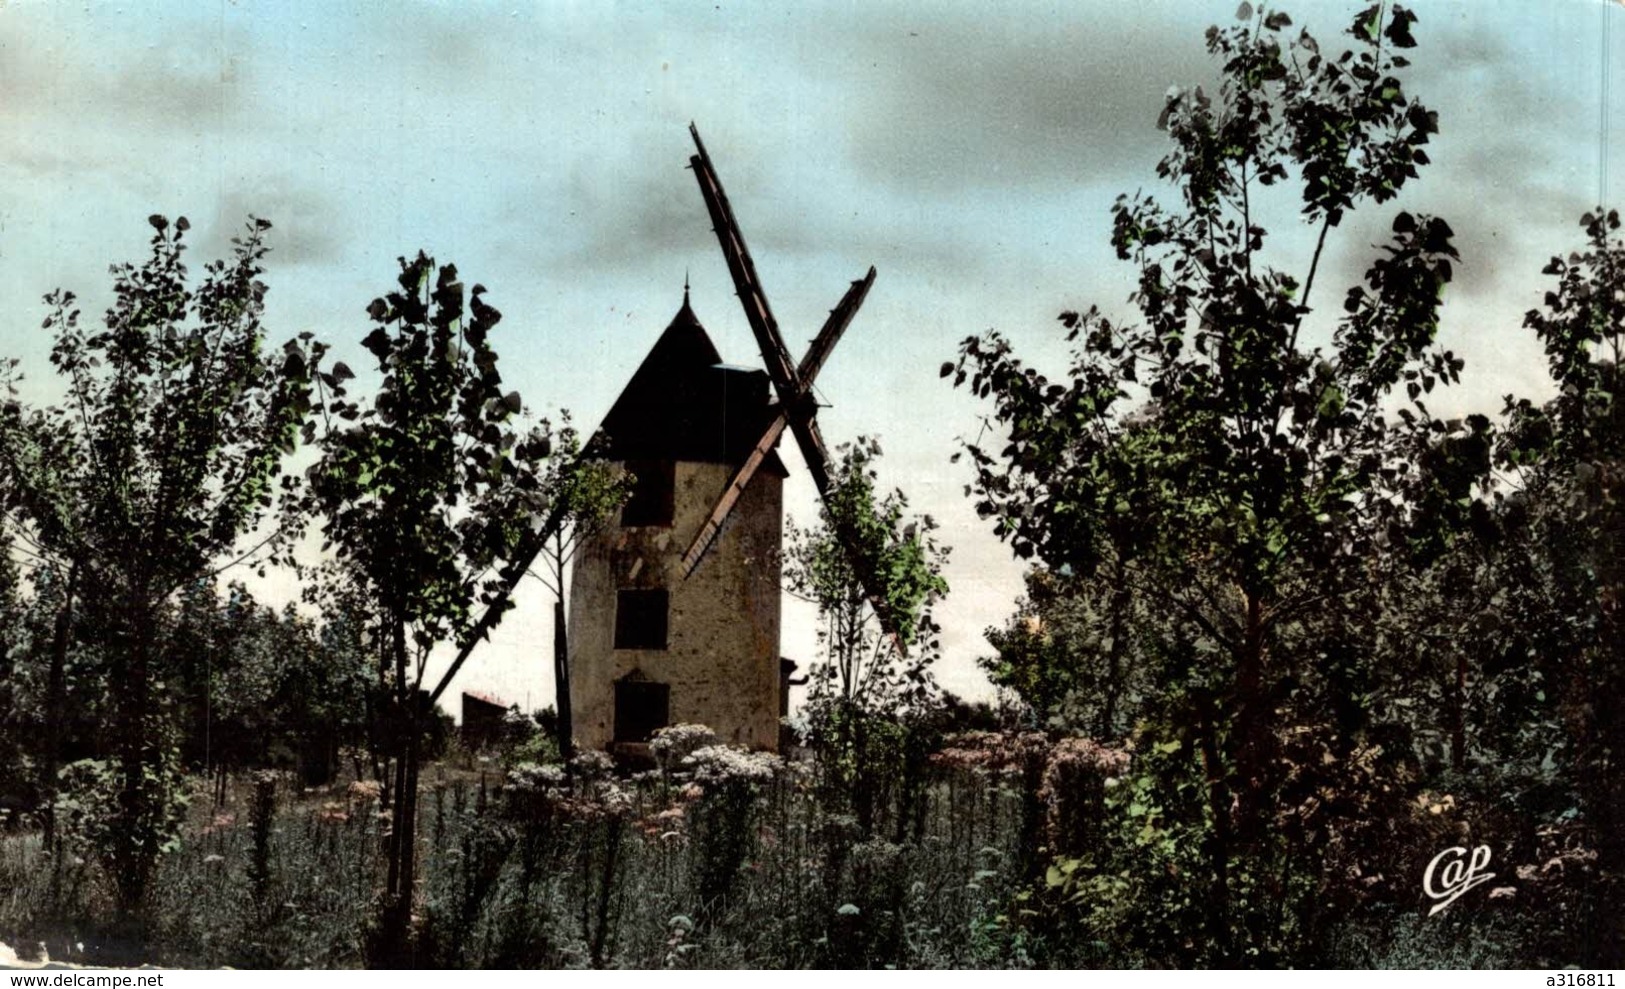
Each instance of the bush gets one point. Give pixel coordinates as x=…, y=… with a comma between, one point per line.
x=93, y=821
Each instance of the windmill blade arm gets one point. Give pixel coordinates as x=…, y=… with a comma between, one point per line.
x=813, y=449
x=529, y=548
x=839, y=318
x=808, y=370
x=787, y=383
x=816, y=454
x=757, y=312
x=731, y=494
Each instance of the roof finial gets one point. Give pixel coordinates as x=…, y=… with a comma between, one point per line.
x=685, y=286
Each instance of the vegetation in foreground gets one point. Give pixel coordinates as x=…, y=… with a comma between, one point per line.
x=722, y=859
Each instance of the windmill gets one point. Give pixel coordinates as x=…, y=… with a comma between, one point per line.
x=703, y=566
x=792, y=383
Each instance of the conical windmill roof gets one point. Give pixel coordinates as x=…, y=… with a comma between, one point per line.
x=684, y=403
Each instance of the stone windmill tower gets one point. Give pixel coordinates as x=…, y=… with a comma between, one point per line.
x=649, y=646
x=675, y=611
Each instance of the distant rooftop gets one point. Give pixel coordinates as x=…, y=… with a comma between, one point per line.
x=485, y=699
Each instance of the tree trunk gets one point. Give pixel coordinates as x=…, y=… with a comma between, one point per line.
x=402, y=845
x=561, y=680
x=1114, y=658
x=1458, y=721
x=392, y=847
x=381, y=746
x=1219, y=842
x=408, y=813
x=1252, y=721
x=607, y=889
x=55, y=689
x=136, y=831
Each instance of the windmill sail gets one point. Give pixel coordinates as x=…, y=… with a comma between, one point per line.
x=792, y=393
x=806, y=372
x=530, y=546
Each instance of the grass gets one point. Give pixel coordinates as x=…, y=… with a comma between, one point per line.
x=511, y=883
x=650, y=872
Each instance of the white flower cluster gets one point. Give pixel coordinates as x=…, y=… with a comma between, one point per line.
x=612, y=800
x=549, y=791
x=671, y=745
x=530, y=776
x=722, y=764
x=593, y=762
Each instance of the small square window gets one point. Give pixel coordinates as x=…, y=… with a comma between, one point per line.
x=642, y=707
x=652, y=501
x=640, y=619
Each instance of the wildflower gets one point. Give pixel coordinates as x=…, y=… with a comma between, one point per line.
x=528, y=776
x=593, y=763
x=721, y=764
x=670, y=746
x=662, y=822
x=612, y=801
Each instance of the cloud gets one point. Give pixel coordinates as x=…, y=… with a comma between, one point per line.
x=964, y=101
x=303, y=230
x=644, y=212
x=1512, y=166
x=639, y=213
x=185, y=80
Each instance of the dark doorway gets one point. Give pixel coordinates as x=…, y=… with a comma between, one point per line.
x=642, y=707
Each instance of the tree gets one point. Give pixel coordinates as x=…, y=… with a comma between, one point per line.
x=1257, y=463
x=1567, y=460
x=868, y=681
x=15, y=754
x=164, y=455
x=581, y=494
x=257, y=688
x=425, y=493
x=865, y=666
x=1073, y=653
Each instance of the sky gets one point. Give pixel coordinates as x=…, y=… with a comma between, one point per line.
x=971, y=152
